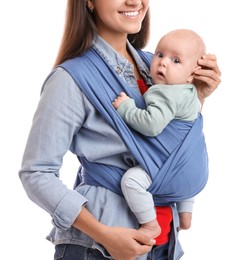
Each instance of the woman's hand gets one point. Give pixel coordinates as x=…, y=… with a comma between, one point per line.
x=124, y=243
x=207, y=78
x=121, y=243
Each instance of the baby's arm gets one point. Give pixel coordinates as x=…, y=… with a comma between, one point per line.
x=162, y=105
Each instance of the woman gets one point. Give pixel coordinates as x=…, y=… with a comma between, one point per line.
x=92, y=221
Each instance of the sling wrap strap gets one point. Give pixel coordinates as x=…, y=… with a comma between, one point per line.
x=176, y=159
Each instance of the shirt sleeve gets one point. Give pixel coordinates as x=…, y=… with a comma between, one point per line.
x=59, y=115
x=163, y=104
x=161, y=108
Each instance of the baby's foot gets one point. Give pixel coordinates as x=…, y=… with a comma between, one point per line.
x=151, y=229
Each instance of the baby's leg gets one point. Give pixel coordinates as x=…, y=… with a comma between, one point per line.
x=135, y=183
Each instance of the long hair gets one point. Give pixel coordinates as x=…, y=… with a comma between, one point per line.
x=80, y=28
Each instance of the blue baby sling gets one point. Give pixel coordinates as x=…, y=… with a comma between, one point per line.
x=176, y=159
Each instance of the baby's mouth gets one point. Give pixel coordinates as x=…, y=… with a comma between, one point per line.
x=160, y=73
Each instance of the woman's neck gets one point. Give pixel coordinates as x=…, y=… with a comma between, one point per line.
x=117, y=41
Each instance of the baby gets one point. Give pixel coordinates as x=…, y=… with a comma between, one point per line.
x=172, y=97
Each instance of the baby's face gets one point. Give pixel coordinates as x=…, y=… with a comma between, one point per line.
x=175, y=59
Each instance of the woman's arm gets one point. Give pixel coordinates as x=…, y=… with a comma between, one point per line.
x=59, y=115
x=121, y=243
x=207, y=78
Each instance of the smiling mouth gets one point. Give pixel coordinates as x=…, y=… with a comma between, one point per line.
x=130, y=14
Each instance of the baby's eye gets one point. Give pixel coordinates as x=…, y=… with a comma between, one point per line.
x=159, y=54
x=176, y=60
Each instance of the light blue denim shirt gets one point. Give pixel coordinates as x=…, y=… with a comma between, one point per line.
x=66, y=120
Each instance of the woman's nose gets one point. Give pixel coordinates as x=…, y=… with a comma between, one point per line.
x=134, y=2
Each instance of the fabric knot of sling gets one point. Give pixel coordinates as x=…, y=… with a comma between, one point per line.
x=176, y=159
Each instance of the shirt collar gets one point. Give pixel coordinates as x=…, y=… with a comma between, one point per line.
x=117, y=61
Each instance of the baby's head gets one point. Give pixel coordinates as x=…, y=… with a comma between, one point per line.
x=176, y=57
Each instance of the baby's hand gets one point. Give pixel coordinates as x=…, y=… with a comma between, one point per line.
x=119, y=99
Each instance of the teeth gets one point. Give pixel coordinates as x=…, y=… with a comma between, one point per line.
x=130, y=13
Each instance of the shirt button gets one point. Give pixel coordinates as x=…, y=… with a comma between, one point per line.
x=118, y=70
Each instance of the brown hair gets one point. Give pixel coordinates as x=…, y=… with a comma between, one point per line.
x=80, y=28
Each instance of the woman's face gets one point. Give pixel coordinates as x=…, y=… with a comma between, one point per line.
x=119, y=17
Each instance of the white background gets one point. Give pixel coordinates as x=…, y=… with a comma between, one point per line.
x=30, y=34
